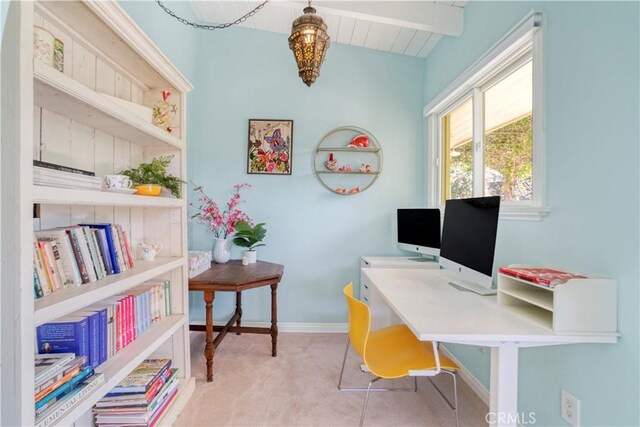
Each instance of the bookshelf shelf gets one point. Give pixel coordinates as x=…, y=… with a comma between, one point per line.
x=349, y=173
x=123, y=362
x=348, y=150
x=62, y=95
x=71, y=196
x=537, y=297
x=82, y=117
x=65, y=301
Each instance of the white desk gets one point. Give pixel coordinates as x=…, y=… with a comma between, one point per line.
x=435, y=311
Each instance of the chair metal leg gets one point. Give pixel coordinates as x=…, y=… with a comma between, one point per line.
x=344, y=361
x=453, y=406
x=366, y=400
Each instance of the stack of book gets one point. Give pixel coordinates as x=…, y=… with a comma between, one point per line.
x=71, y=256
x=99, y=331
x=53, y=175
x=141, y=398
x=61, y=381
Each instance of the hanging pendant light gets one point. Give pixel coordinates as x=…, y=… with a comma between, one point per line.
x=309, y=42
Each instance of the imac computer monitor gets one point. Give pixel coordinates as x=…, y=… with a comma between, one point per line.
x=419, y=231
x=469, y=238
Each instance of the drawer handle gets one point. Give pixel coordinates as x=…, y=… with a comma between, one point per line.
x=366, y=262
x=366, y=287
x=366, y=299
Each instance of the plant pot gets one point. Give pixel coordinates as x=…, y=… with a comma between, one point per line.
x=221, y=250
x=148, y=189
x=252, y=256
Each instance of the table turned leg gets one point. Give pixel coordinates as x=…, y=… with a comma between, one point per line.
x=209, y=349
x=239, y=309
x=274, y=320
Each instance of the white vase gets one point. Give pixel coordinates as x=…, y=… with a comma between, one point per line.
x=221, y=250
x=252, y=256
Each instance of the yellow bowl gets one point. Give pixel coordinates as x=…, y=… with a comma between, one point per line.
x=148, y=189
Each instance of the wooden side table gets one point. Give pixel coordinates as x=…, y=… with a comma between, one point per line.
x=235, y=277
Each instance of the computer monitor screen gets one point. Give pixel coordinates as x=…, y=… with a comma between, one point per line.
x=419, y=230
x=469, y=237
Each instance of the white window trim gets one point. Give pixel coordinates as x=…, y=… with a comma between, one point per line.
x=527, y=34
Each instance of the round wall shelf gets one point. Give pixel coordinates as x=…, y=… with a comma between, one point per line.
x=348, y=160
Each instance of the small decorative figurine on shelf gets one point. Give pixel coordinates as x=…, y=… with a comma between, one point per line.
x=345, y=168
x=331, y=164
x=341, y=190
x=365, y=167
x=150, y=250
x=354, y=190
x=360, y=141
x=164, y=112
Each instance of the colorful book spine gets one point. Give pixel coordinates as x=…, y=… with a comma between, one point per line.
x=84, y=374
x=37, y=287
x=69, y=401
x=101, y=237
x=118, y=247
x=94, y=335
x=59, y=381
x=49, y=262
x=69, y=262
x=40, y=269
x=66, y=335
x=128, y=249
x=96, y=258
x=86, y=255
x=77, y=252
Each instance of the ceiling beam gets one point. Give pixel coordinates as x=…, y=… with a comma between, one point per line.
x=417, y=15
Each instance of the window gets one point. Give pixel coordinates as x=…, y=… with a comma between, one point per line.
x=485, y=131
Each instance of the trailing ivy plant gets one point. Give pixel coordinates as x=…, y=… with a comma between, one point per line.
x=155, y=173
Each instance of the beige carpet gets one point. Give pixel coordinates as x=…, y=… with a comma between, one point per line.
x=299, y=388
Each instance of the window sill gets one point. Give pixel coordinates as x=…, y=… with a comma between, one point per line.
x=524, y=213
x=518, y=213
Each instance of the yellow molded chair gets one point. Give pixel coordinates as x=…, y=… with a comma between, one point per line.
x=394, y=351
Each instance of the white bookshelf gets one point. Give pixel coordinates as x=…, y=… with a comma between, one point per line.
x=586, y=305
x=65, y=118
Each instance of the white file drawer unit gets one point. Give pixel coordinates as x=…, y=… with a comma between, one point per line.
x=389, y=262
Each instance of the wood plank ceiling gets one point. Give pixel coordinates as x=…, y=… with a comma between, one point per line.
x=410, y=28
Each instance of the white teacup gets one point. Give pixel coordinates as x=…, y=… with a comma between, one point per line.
x=117, y=182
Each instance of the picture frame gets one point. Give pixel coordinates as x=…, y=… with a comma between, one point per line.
x=270, y=146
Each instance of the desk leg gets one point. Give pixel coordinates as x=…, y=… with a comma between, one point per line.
x=274, y=319
x=209, y=349
x=503, y=407
x=239, y=309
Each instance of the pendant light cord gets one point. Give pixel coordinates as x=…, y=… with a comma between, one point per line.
x=214, y=27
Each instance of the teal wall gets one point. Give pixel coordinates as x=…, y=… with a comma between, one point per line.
x=318, y=236
x=591, y=54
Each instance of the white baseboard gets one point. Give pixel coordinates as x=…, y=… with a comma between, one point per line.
x=337, y=328
x=289, y=327
x=466, y=376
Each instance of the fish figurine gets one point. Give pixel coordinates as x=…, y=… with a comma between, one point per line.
x=341, y=190
x=331, y=164
x=360, y=141
x=345, y=168
x=354, y=190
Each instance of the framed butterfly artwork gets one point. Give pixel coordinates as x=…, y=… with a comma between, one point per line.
x=270, y=147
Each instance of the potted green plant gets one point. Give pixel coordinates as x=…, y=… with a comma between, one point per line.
x=149, y=178
x=250, y=238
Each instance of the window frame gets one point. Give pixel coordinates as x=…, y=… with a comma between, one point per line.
x=523, y=43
